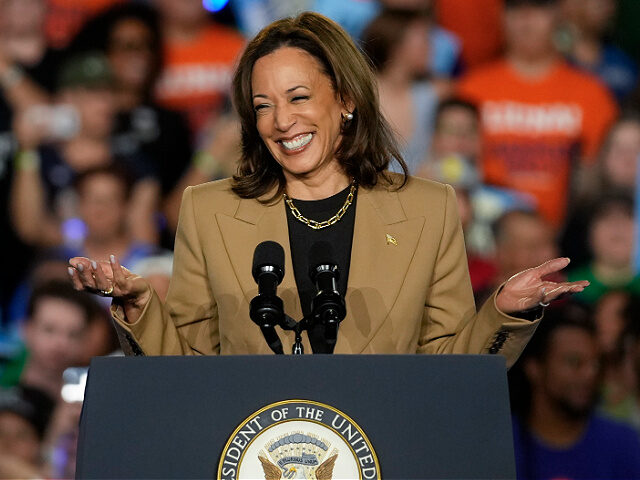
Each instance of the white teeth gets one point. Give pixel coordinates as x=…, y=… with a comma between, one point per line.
x=297, y=142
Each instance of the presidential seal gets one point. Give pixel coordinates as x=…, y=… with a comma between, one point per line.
x=298, y=439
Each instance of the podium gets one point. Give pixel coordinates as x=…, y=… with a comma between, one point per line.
x=425, y=416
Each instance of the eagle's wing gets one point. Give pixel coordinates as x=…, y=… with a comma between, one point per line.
x=325, y=470
x=271, y=471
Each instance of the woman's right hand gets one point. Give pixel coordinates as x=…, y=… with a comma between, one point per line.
x=110, y=279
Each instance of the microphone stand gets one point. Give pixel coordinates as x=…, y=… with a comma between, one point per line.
x=267, y=312
x=297, y=328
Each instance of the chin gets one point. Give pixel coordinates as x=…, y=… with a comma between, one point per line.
x=579, y=409
x=299, y=172
x=299, y=167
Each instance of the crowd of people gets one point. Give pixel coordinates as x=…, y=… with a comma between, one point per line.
x=530, y=109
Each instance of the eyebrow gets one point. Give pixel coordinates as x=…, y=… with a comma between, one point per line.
x=289, y=90
x=297, y=87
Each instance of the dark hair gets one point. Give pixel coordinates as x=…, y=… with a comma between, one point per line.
x=455, y=102
x=368, y=143
x=96, y=33
x=113, y=170
x=383, y=34
x=526, y=3
x=613, y=201
x=629, y=313
x=30, y=403
x=628, y=115
x=64, y=291
x=568, y=315
x=499, y=225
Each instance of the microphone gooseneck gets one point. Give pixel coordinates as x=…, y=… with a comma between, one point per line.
x=266, y=309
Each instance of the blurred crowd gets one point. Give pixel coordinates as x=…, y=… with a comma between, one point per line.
x=530, y=109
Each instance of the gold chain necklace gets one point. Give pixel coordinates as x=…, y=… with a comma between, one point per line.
x=326, y=223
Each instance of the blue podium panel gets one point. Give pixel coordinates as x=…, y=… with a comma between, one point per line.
x=426, y=416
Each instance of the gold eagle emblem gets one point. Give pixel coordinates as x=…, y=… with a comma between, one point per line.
x=273, y=472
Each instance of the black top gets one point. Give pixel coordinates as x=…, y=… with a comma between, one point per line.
x=158, y=139
x=301, y=237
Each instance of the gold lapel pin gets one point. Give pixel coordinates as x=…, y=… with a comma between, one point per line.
x=391, y=240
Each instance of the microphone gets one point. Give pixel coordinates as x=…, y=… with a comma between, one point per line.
x=328, y=305
x=266, y=309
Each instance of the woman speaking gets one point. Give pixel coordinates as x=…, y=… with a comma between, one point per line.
x=314, y=167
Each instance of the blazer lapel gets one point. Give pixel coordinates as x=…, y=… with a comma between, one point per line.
x=384, y=242
x=252, y=224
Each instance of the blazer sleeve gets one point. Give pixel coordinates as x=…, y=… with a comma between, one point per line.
x=187, y=323
x=450, y=323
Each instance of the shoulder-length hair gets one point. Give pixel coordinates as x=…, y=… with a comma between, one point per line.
x=368, y=144
x=385, y=32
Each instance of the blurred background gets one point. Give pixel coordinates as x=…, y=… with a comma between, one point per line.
x=530, y=109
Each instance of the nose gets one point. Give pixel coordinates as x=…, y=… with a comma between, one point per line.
x=283, y=118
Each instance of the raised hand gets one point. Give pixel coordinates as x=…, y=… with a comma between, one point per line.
x=528, y=289
x=110, y=279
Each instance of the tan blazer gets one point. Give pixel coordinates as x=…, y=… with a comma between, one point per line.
x=411, y=296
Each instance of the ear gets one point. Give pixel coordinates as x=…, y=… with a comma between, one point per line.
x=348, y=105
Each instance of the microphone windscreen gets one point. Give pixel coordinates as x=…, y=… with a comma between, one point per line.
x=268, y=253
x=320, y=253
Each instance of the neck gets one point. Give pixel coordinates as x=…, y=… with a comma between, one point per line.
x=552, y=425
x=42, y=378
x=533, y=67
x=394, y=77
x=318, y=187
x=128, y=98
x=611, y=273
x=101, y=248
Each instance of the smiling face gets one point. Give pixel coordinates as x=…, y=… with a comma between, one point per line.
x=298, y=114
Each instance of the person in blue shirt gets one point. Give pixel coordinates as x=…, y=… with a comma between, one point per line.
x=557, y=434
x=583, y=41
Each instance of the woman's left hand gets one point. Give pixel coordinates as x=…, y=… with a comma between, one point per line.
x=528, y=289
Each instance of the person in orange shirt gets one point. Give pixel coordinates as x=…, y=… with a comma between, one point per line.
x=542, y=118
x=198, y=61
